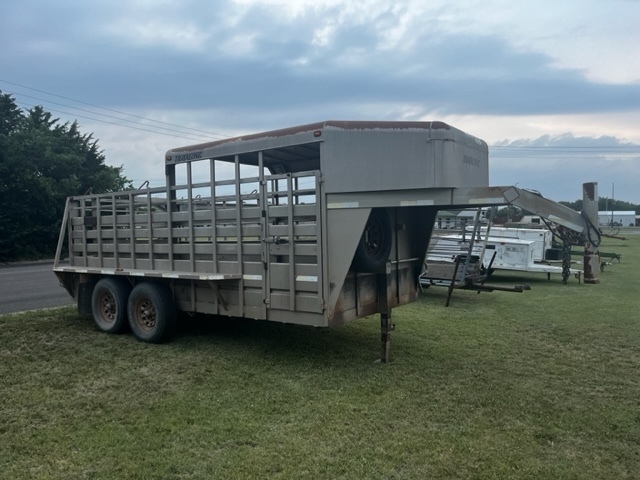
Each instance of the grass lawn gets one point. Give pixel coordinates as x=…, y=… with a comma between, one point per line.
x=543, y=385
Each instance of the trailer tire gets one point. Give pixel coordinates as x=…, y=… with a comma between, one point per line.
x=374, y=246
x=152, y=312
x=109, y=305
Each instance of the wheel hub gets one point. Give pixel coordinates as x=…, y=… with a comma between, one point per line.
x=147, y=315
x=108, y=307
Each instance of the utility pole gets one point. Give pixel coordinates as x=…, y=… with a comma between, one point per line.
x=612, y=202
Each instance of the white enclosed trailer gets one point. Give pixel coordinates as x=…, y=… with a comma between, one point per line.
x=316, y=225
x=500, y=253
x=542, y=238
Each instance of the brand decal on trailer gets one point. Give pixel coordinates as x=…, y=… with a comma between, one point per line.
x=470, y=160
x=185, y=157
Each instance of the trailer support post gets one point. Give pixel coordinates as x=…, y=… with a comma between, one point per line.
x=386, y=326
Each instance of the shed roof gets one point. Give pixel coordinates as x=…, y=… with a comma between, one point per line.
x=616, y=212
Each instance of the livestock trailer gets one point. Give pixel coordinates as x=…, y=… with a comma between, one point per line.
x=316, y=225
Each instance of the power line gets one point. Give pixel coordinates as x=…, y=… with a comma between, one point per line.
x=113, y=123
x=568, y=147
x=112, y=110
x=108, y=116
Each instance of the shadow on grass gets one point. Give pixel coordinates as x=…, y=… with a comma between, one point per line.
x=280, y=341
x=346, y=348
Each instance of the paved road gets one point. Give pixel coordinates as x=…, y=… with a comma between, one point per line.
x=30, y=287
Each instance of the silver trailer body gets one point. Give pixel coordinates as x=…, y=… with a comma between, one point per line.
x=310, y=225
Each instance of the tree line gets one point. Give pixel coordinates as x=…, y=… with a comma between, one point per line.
x=42, y=162
x=606, y=204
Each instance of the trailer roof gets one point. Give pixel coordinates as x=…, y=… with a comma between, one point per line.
x=298, y=148
x=313, y=127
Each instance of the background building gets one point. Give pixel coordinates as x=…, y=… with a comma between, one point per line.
x=617, y=218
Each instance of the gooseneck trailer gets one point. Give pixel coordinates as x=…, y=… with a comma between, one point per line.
x=316, y=225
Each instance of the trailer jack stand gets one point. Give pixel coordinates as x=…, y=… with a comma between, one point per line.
x=386, y=327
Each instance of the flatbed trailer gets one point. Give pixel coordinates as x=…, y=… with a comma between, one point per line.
x=316, y=225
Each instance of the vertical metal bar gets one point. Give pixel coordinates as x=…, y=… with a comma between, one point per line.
x=264, y=224
x=171, y=196
x=239, y=236
x=292, y=259
x=99, y=234
x=191, y=206
x=116, y=254
x=70, y=233
x=84, y=232
x=63, y=229
x=152, y=265
x=320, y=241
x=214, y=230
x=132, y=230
x=396, y=253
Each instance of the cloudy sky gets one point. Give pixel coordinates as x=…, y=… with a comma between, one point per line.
x=552, y=86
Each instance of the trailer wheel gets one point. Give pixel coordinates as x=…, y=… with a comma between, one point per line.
x=152, y=312
x=375, y=244
x=109, y=305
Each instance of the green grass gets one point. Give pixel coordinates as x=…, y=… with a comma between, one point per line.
x=543, y=384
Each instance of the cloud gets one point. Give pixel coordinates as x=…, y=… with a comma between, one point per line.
x=557, y=165
x=496, y=68
x=251, y=57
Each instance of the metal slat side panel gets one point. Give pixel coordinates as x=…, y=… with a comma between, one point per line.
x=294, y=237
x=140, y=235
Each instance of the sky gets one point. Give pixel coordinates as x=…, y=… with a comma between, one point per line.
x=552, y=86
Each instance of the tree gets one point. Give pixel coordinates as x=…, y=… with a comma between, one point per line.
x=577, y=205
x=507, y=214
x=606, y=204
x=42, y=162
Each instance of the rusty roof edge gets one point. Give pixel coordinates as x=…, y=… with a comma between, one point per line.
x=386, y=124
x=253, y=136
x=339, y=124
